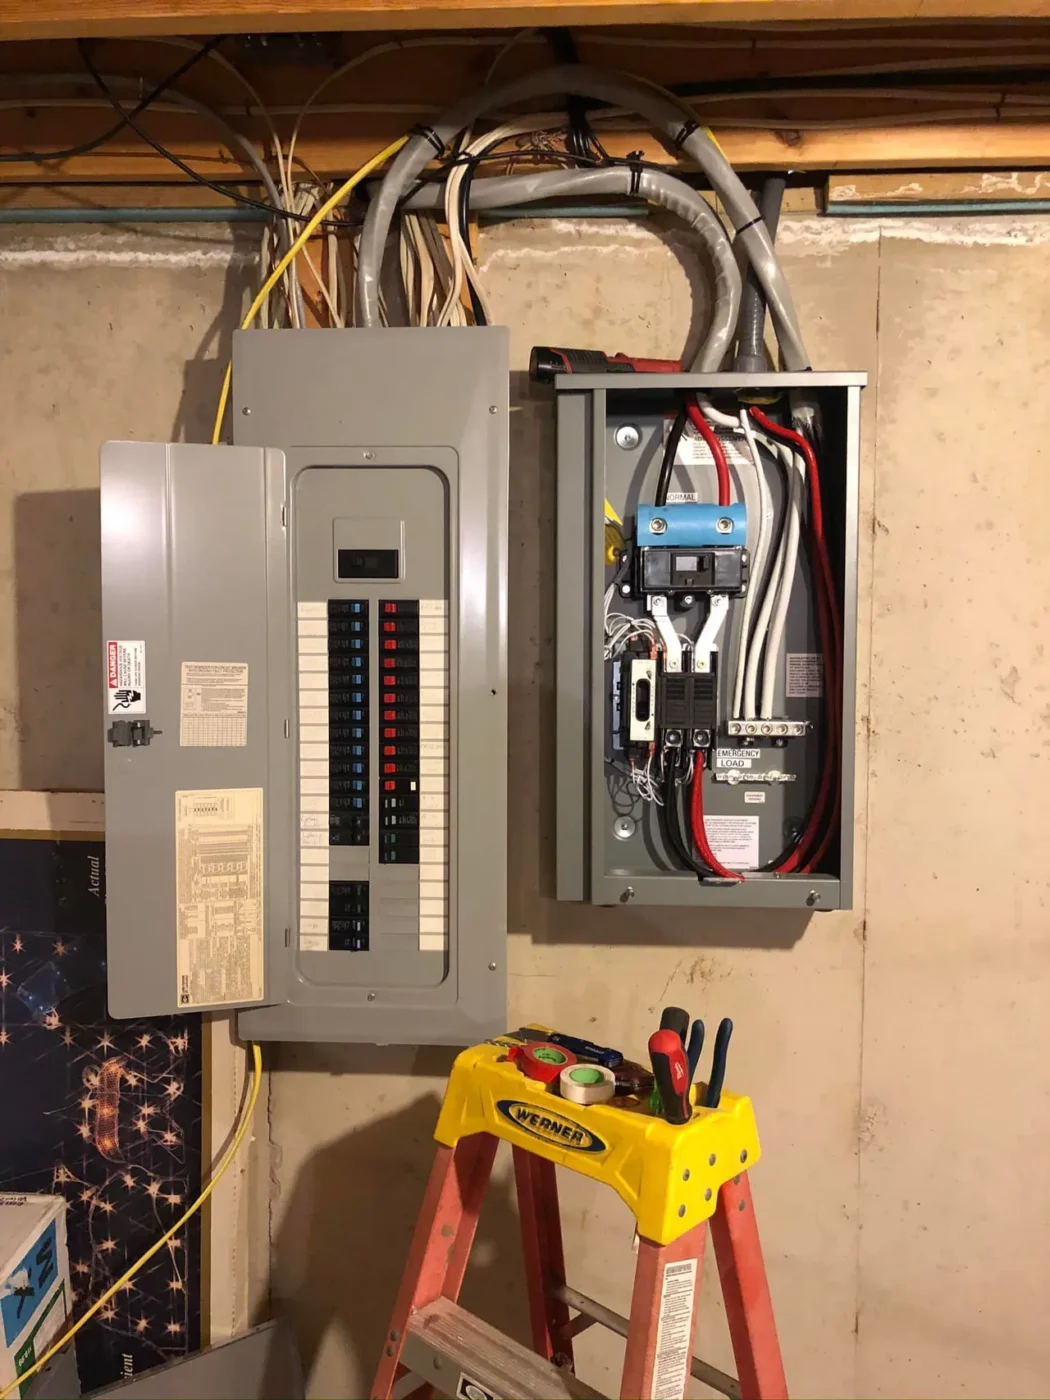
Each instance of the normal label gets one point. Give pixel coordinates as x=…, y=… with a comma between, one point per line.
x=213, y=709
x=804, y=675
x=219, y=896
x=674, y=1331
x=125, y=678
x=733, y=840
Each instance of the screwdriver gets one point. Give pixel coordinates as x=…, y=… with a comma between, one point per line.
x=671, y=1072
x=695, y=1048
x=718, y=1063
x=673, y=1018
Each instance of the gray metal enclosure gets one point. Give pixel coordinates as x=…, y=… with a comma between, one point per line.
x=292, y=827
x=596, y=861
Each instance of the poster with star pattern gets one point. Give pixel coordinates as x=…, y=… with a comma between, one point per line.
x=107, y=1113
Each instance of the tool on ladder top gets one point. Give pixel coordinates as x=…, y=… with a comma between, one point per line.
x=674, y=1178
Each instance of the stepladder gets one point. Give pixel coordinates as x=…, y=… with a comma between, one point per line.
x=679, y=1182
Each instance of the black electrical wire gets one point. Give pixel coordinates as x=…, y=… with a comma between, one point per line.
x=671, y=821
x=674, y=437
x=126, y=118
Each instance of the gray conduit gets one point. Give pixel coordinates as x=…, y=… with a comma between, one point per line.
x=655, y=186
x=621, y=90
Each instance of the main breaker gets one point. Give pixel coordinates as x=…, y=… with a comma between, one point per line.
x=706, y=578
x=305, y=681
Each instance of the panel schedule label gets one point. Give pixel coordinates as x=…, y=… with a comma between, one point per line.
x=219, y=896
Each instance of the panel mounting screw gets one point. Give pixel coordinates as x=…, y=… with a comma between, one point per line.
x=492, y=967
x=812, y=898
x=493, y=408
x=724, y=525
x=627, y=895
x=368, y=456
x=657, y=525
x=246, y=410
x=627, y=436
x=371, y=996
x=623, y=828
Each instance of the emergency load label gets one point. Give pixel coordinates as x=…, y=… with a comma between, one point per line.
x=219, y=896
x=213, y=710
x=733, y=840
x=674, y=1331
x=804, y=675
x=125, y=678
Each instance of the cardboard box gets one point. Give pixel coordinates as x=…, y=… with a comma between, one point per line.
x=34, y=1280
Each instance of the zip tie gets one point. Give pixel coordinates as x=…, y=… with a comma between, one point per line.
x=429, y=134
x=685, y=133
x=634, y=164
x=750, y=224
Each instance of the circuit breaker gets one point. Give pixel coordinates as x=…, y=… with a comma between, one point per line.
x=305, y=680
x=706, y=595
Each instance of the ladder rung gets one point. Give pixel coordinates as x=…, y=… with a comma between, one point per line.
x=597, y=1312
x=443, y=1342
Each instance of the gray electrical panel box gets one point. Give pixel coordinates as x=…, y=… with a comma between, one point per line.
x=305, y=680
x=636, y=732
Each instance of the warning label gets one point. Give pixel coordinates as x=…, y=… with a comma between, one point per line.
x=693, y=451
x=804, y=675
x=733, y=840
x=125, y=678
x=674, y=1331
x=213, y=713
x=219, y=896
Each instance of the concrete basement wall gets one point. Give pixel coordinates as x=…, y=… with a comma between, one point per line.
x=898, y=1056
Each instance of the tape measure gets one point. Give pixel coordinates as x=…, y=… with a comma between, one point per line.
x=541, y=1060
x=585, y=1084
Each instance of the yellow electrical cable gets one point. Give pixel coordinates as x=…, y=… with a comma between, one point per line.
x=292, y=253
x=213, y=1180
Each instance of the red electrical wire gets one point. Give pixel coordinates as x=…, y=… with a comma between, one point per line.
x=709, y=435
x=696, y=824
x=829, y=626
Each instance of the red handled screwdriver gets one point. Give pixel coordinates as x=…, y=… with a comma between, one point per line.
x=671, y=1072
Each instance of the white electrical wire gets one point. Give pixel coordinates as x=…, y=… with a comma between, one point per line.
x=759, y=558
x=761, y=629
x=792, y=528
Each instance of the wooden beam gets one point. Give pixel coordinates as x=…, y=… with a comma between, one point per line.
x=71, y=18
x=343, y=148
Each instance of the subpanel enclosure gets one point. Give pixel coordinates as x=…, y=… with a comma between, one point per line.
x=319, y=615
x=610, y=846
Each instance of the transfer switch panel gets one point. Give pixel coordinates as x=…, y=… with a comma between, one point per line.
x=305, y=681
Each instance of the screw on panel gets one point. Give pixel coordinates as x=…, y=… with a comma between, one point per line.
x=724, y=525
x=371, y=996
x=395, y=1335
x=627, y=895
x=368, y=456
x=812, y=898
x=246, y=411
x=681, y=1210
x=623, y=828
x=658, y=525
x=493, y=408
x=627, y=436
x=625, y=590
x=492, y=967
x=712, y=1160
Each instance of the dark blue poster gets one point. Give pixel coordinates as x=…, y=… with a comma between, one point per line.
x=107, y=1113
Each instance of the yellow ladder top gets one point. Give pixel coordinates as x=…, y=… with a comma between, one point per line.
x=668, y=1176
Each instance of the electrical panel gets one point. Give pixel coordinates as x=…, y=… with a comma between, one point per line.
x=707, y=559
x=305, y=660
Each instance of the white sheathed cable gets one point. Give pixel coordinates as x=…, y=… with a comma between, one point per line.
x=765, y=612
x=772, y=665
x=759, y=559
